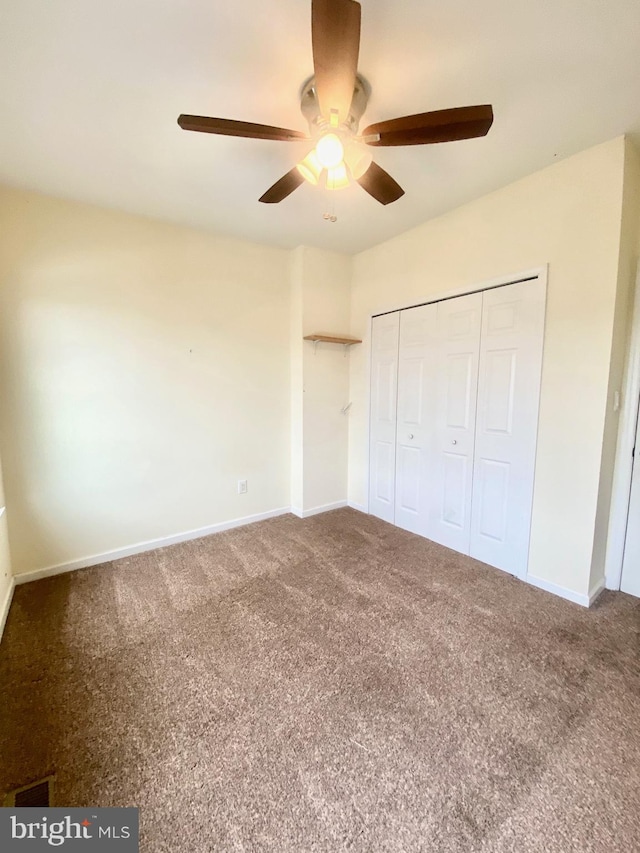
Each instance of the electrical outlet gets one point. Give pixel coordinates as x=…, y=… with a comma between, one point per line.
x=242, y=487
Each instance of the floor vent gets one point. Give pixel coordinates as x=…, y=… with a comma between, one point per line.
x=36, y=795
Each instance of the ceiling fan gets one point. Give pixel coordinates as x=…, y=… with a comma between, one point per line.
x=333, y=102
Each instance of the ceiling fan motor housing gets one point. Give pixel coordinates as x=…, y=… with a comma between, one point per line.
x=311, y=109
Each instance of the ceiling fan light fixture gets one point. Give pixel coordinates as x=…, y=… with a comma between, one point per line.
x=337, y=177
x=311, y=168
x=330, y=150
x=333, y=102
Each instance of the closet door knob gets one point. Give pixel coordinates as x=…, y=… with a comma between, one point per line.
x=454, y=441
x=410, y=435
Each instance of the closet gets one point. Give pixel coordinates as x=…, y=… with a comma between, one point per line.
x=455, y=388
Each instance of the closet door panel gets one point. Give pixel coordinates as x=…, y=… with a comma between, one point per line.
x=492, y=497
x=453, y=420
x=384, y=385
x=408, y=484
x=416, y=377
x=453, y=500
x=507, y=422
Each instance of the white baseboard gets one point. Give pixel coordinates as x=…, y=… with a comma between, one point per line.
x=317, y=510
x=359, y=507
x=5, y=605
x=563, y=592
x=141, y=547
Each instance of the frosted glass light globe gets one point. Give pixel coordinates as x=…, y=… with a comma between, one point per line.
x=329, y=150
x=337, y=178
x=310, y=168
x=358, y=158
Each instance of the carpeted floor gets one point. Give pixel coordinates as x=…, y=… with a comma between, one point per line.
x=326, y=685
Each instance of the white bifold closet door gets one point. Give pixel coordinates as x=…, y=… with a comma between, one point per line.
x=453, y=420
x=384, y=391
x=507, y=424
x=416, y=393
x=454, y=415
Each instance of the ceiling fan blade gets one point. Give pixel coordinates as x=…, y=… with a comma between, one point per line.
x=335, y=35
x=380, y=185
x=228, y=127
x=282, y=188
x=437, y=126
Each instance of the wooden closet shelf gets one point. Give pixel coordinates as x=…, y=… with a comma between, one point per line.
x=332, y=339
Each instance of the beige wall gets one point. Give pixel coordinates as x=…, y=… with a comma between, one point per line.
x=567, y=216
x=132, y=353
x=296, y=271
x=320, y=379
x=326, y=379
x=627, y=266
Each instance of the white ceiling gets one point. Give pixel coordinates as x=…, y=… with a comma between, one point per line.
x=90, y=92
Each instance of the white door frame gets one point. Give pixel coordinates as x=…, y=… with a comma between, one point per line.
x=541, y=273
x=623, y=469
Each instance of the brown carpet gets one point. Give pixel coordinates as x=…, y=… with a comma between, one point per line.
x=325, y=685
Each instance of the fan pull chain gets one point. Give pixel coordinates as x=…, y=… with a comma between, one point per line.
x=331, y=216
